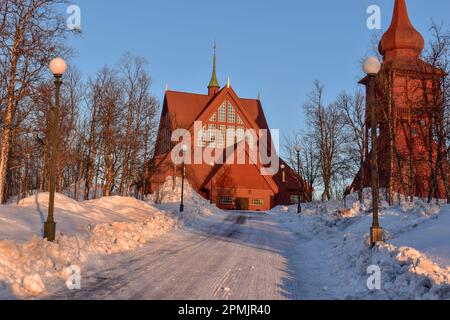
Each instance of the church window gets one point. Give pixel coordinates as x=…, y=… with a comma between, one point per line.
x=240, y=134
x=231, y=114
x=224, y=127
x=221, y=136
x=295, y=199
x=231, y=136
x=223, y=113
x=202, y=138
x=250, y=140
x=212, y=135
x=257, y=202
x=227, y=201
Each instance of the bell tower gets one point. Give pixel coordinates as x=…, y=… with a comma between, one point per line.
x=408, y=103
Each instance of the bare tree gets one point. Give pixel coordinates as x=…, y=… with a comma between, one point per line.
x=309, y=157
x=141, y=111
x=327, y=131
x=121, y=129
x=354, y=116
x=437, y=54
x=31, y=32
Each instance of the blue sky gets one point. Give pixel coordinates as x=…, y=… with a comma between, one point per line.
x=276, y=48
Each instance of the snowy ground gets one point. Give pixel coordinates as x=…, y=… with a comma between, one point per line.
x=146, y=250
x=334, y=253
x=85, y=231
x=228, y=256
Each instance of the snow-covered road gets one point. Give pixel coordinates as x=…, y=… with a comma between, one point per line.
x=130, y=249
x=229, y=256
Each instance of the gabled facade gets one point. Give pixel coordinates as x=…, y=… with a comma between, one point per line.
x=408, y=104
x=221, y=122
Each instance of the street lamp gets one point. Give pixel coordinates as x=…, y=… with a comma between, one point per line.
x=372, y=67
x=184, y=149
x=283, y=173
x=298, y=149
x=58, y=67
x=211, y=198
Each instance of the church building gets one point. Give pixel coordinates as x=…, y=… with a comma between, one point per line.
x=409, y=111
x=219, y=122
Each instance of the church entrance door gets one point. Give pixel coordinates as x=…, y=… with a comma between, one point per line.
x=242, y=204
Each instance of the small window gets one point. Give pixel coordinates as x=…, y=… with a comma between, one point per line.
x=227, y=201
x=221, y=136
x=231, y=114
x=249, y=138
x=213, y=118
x=257, y=202
x=295, y=199
x=223, y=113
x=240, y=133
x=231, y=136
x=239, y=120
x=202, y=138
x=212, y=135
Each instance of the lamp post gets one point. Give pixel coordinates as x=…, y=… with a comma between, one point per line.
x=184, y=149
x=58, y=67
x=372, y=67
x=211, y=198
x=298, y=149
x=283, y=173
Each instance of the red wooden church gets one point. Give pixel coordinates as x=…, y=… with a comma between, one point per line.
x=409, y=104
x=225, y=118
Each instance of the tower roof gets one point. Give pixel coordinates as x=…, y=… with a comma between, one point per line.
x=214, y=83
x=401, y=39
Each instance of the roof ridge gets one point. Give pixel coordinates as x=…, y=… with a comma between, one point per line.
x=189, y=93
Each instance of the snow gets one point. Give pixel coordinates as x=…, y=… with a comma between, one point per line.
x=231, y=255
x=85, y=230
x=414, y=261
x=432, y=238
x=168, y=198
x=323, y=253
x=23, y=221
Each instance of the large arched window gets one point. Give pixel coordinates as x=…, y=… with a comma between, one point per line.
x=224, y=128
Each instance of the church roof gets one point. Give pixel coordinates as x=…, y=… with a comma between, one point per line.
x=185, y=108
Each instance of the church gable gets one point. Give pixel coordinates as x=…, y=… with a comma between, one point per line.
x=224, y=125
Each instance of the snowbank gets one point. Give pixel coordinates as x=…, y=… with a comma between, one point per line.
x=168, y=197
x=84, y=230
x=104, y=226
x=414, y=261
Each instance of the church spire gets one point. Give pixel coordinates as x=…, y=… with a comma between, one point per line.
x=401, y=39
x=214, y=86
